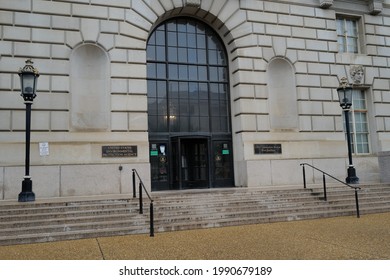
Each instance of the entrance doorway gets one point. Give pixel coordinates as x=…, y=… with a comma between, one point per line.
x=191, y=163
x=189, y=118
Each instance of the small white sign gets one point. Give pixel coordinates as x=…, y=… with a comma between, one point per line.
x=44, y=149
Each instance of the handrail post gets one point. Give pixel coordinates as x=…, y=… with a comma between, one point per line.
x=304, y=176
x=151, y=219
x=141, y=210
x=324, y=182
x=357, y=203
x=134, y=191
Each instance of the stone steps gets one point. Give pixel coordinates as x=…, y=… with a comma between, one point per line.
x=255, y=219
x=69, y=235
x=255, y=206
x=181, y=210
x=53, y=221
x=76, y=226
x=59, y=209
x=64, y=221
x=258, y=211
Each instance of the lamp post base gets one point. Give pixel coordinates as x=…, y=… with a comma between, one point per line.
x=352, y=178
x=26, y=194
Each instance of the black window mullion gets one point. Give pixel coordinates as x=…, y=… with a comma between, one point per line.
x=167, y=79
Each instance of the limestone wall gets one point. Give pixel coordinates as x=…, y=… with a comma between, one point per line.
x=108, y=106
x=73, y=180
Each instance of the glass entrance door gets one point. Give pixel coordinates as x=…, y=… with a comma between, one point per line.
x=194, y=167
x=191, y=162
x=223, y=164
x=159, y=165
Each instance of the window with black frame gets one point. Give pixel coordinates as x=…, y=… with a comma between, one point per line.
x=187, y=79
x=189, y=106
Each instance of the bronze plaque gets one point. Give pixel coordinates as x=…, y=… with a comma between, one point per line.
x=119, y=151
x=261, y=149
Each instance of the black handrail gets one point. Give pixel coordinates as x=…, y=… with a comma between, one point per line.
x=141, y=211
x=356, y=188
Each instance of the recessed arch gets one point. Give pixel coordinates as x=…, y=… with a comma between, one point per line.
x=89, y=88
x=282, y=95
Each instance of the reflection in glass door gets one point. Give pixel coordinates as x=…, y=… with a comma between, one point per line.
x=159, y=166
x=223, y=164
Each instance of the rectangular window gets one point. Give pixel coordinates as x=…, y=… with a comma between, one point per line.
x=358, y=123
x=347, y=35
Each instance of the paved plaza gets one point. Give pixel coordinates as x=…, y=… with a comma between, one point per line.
x=342, y=238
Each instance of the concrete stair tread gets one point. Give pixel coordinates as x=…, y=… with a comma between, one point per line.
x=243, y=214
x=78, y=219
x=258, y=219
x=91, y=225
x=62, y=206
x=68, y=213
x=56, y=236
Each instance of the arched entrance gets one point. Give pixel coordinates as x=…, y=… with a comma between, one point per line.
x=188, y=107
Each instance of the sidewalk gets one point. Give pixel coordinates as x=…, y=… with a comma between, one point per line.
x=346, y=238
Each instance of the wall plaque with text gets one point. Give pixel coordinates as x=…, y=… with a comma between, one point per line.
x=119, y=151
x=261, y=149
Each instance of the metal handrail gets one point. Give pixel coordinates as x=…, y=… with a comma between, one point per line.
x=141, y=211
x=356, y=188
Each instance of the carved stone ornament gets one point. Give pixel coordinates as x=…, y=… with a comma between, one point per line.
x=357, y=74
x=325, y=4
x=193, y=3
x=375, y=7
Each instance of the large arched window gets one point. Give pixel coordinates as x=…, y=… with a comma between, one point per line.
x=187, y=79
x=188, y=107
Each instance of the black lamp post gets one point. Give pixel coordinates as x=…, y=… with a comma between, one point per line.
x=345, y=98
x=28, y=80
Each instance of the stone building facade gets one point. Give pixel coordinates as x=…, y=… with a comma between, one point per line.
x=111, y=70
